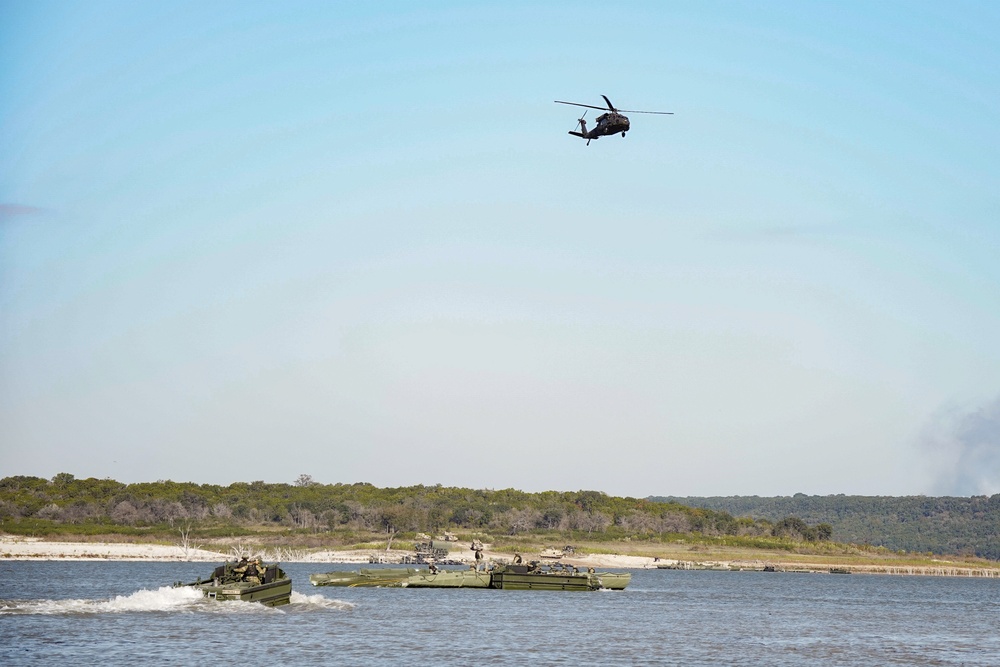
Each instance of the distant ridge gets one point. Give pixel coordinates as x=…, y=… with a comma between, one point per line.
x=940, y=525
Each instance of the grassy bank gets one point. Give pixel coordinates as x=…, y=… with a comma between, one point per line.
x=693, y=549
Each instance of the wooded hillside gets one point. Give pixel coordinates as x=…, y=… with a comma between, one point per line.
x=943, y=525
x=40, y=506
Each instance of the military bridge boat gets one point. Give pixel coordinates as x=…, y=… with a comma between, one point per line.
x=448, y=579
x=365, y=577
x=403, y=577
x=247, y=582
x=555, y=577
x=533, y=576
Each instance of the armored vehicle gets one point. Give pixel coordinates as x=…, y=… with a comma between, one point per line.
x=431, y=551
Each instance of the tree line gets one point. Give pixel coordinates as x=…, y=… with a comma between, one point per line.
x=309, y=506
x=938, y=525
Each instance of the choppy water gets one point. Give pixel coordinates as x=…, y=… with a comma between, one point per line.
x=82, y=613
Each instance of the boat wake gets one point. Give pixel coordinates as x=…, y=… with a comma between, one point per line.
x=164, y=599
x=318, y=601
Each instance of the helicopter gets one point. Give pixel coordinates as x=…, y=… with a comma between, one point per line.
x=608, y=123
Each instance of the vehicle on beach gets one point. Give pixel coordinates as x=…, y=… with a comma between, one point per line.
x=266, y=584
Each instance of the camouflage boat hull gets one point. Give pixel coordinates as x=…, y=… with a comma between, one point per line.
x=614, y=581
x=368, y=577
x=449, y=579
x=224, y=585
x=555, y=577
x=526, y=578
x=274, y=594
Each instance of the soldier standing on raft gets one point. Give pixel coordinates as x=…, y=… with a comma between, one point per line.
x=479, y=559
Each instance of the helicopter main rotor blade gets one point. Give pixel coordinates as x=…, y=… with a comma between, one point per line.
x=610, y=105
x=575, y=104
x=661, y=113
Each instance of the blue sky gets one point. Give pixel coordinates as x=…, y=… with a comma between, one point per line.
x=249, y=240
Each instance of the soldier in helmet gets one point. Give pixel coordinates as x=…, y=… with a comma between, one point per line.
x=255, y=572
x=240, y=569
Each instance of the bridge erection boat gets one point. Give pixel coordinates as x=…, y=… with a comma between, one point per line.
x=403, y=577
x=555, y=577
x=247, y=582
x=530, y=577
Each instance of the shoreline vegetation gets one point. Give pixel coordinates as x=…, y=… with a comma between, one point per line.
x=21, y=548
x=102, y=519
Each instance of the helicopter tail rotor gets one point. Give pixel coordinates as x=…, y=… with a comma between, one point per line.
x=580, y=130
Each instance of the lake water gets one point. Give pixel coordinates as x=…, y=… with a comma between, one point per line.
x=110, y=613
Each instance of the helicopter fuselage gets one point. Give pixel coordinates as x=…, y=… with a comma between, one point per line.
x=608, y=124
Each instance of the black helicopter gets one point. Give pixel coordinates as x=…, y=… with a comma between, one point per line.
x=608, y=123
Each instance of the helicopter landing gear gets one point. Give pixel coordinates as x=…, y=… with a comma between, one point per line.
x=623, y=135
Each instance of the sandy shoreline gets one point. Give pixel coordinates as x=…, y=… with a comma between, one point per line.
x=33, y=548
x=36, y=549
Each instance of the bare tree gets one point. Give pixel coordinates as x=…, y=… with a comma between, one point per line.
x=50, y=511
x=222, y=511
x=302, y=517
x=125, y=512
x=674, y=522
x=590, y=521
x=186, y=541
x=242, y=550
x=523, y=520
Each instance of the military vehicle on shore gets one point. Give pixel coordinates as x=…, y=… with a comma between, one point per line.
x=430, y=551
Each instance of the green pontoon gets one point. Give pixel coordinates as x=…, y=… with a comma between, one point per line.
x=536, y=576
x=272, y=589
x=403, y=577
x=449, y=579
x=376, y=576
x=555, y=577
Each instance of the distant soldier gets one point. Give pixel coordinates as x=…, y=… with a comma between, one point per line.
x=517, y=558
x=479, y=559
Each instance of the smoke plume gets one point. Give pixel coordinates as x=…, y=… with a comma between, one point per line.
x=965, y=448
